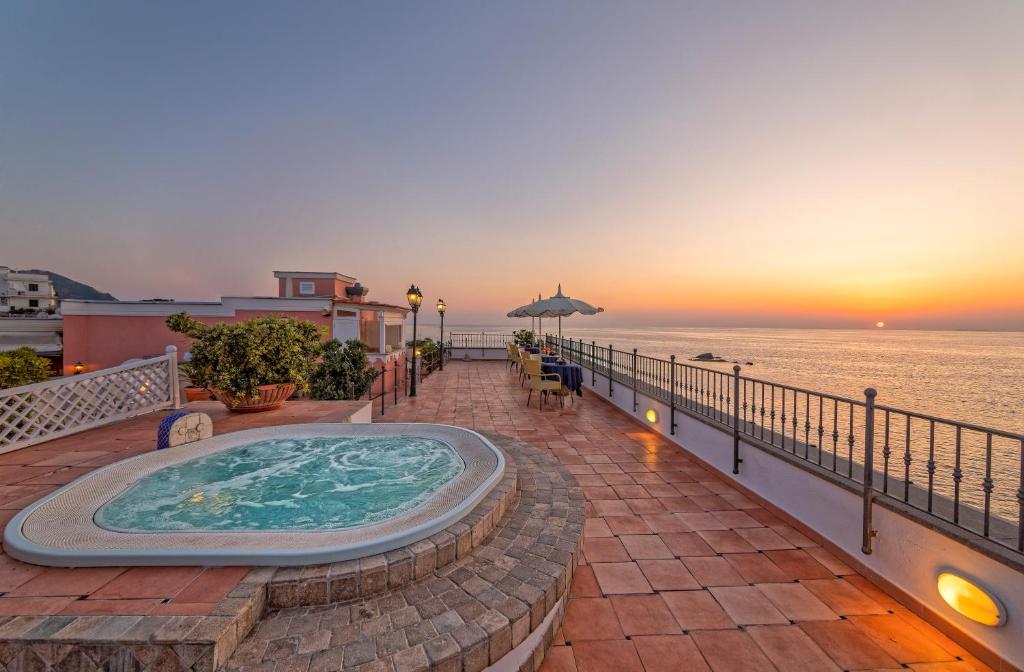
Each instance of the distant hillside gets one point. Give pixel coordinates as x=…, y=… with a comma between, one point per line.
x=72, y=289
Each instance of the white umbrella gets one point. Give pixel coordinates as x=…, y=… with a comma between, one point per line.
x=558, y=306
x=521, y=311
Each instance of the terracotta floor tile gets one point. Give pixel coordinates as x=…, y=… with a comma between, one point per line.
x=745, y=605
x=612, y=507
x=669, y=653
x=584, y=583
x=604, y=550
x=627, y=525
x=702, y=521
x=212, y=585
x=668, y=575
x=33, y=606
x=764, y=538
x=831, y=562
x=644, y=615
x=799, y=564
x=686, y=544
x=92, y=607
x=790, y=648
x=696, y=610
x=901, y=640
x=645, y=547
x=848, y=646
x=679, y=504
x=599, y=492
x=713, y=571
x=873, y=591
x=794, y=536
x=843, y=597
x=559, y=659
x=14, y=573
x=620, y=578
x=59, y=581
x=756, y=568
x=596, y=527
x=731, y=651
x=642, y=506
x=954, y=666
x=726, y=541
x=140, y=582
x=735, y=520
x=607, y=656
x=796, y=602
x=665, y=522
x=631, y=492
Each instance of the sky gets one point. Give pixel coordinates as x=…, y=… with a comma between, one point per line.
x=808, y=164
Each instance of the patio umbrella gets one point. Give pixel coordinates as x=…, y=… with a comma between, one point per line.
x=521, y=311
x=559, y=306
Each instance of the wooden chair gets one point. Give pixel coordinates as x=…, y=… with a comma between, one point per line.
x=543, y=383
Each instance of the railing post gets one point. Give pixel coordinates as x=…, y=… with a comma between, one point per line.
x=736, y=419
x=672, y=395
x=383, y=384
x=394, y=367
x=635, y=404
x=172, y=378
x=482, y=344
x=610, y=358
x=869, y=469
x=593, y=363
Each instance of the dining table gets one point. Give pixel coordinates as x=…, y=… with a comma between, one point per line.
x=571, y=374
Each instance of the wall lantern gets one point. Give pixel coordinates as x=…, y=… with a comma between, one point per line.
x=78, y=368
x=971, y=600
x=651, y=415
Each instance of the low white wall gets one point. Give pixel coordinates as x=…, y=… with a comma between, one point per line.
x=906, y=553
x=477, y=353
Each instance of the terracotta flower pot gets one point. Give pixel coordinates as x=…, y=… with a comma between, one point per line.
x=198, y=394
x=270, y=397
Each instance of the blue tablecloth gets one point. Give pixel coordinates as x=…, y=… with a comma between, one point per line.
x=532, y=351
x=572, y=375
x=549, y=359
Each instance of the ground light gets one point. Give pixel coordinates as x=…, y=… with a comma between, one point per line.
x=651, y=415
x=970, y=599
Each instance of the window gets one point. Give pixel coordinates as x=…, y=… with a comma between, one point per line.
x=33, y=303
x=307, y=288
x=33, y=287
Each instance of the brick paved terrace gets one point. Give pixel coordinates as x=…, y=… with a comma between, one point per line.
x=681, y=571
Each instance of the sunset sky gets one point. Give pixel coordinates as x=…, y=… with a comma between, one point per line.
x=718, y=163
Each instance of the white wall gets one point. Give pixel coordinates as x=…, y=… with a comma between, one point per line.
x=906, y=553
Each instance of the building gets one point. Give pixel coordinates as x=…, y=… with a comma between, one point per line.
x=101, y=334
x=29, y=292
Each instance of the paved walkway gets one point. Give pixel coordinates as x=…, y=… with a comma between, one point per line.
x=682, y=571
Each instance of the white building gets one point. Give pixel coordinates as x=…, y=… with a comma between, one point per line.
x=26, y=291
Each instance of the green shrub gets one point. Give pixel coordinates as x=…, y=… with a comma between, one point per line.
x=523, y=338
x=238, y=358
x=426, y=347
x=22, y=367
x=343, y=373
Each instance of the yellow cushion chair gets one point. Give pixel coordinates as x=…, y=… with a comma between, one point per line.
x=543, y=383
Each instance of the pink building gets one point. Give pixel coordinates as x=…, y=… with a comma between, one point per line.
x=100, y=334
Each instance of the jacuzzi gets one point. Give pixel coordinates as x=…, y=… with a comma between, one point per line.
x=285, y=495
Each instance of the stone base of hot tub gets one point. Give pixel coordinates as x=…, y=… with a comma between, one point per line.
x=464, y=616
x=466, y=612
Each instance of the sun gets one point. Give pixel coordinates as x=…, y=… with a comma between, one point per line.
x=880, y=324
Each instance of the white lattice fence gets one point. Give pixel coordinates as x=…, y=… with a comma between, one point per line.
x=31, y=414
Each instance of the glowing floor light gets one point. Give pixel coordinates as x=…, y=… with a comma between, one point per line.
x=971, y=600
x=651, y=415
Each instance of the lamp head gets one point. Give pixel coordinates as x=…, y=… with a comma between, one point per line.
x=415, y=297
x=441, y=306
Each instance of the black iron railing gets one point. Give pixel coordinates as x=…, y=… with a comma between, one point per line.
x=479, y=340
x=966, y=475
x=391, y=384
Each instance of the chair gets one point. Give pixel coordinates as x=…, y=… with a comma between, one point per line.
x=543, y=383
x=513, y=354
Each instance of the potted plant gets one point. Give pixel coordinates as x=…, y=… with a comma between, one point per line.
x=344, y=372
x=523, y=338
x=253, y=365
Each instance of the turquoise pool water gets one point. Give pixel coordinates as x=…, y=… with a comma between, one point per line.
x=323, y=483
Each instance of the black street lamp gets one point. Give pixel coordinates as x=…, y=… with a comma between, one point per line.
x=415, y=297
x=440, y=309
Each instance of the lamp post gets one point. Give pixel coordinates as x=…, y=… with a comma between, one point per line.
x=415, y=297
x=440, y=309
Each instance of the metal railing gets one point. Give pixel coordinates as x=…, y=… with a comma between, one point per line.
x=479, y=340
x=31, y=414
x=965, y=475
x=398, y=376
